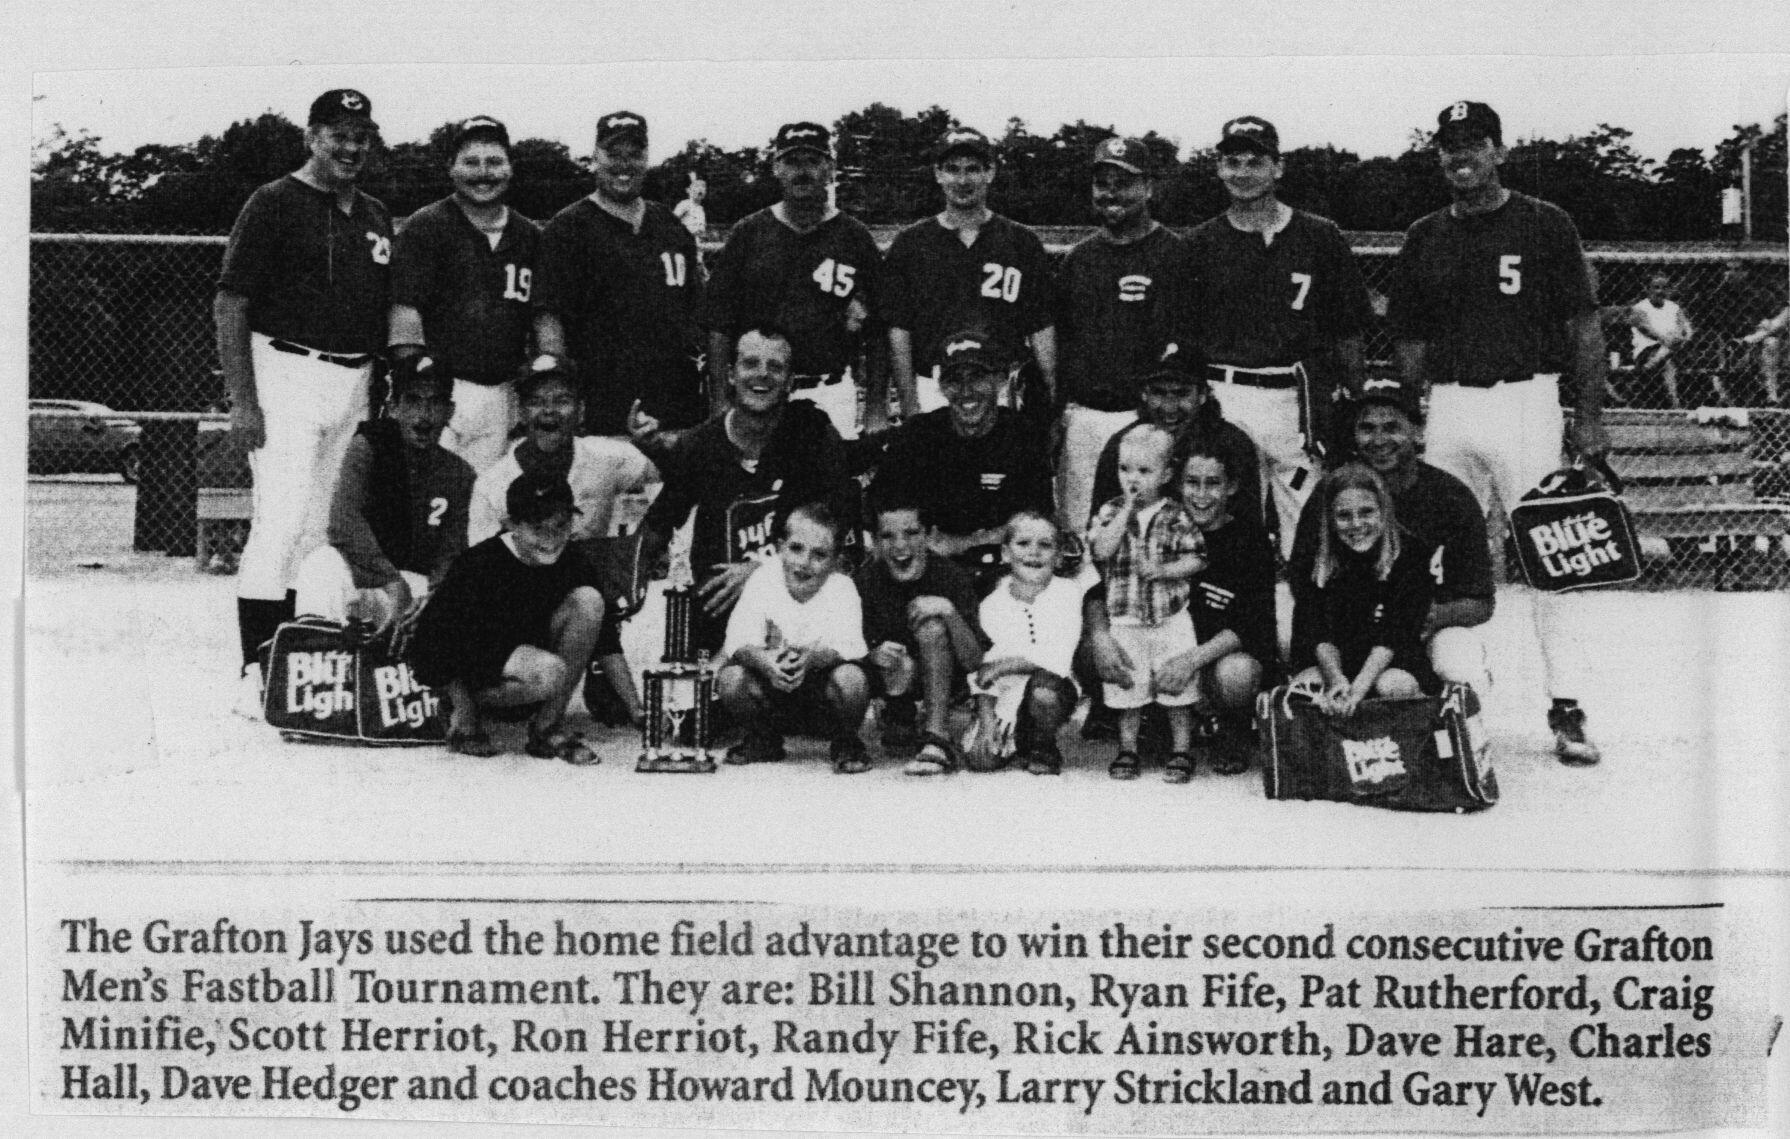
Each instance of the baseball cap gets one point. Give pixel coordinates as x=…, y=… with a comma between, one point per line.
x=1125, y=153
x=621, y=124
x=535, y=496
x=972, y=348
x=1249, y=132
x=792, y=137
x=541, y=369
x=965, y=139
x=1176, y=366
x=409, y=371
x=1467, y=121
x=339, y=104
x=481, y=126
x=1393, y=392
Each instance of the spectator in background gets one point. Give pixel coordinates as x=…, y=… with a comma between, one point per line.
x=1659, y=328
x=690, y=211
x=1730, y=313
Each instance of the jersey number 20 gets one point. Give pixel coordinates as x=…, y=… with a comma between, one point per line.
x=1002, y=282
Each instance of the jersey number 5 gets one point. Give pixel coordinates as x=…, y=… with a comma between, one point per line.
x=1510, y=274
x=1002, y=282
x=834, y=278
x=517, y=282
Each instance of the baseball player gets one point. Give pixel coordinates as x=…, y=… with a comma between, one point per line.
x=1490, y=304
x=804, y=266
x=462, y=271
x=1123, y=292
x=1279, y=302
x=967, y=267
x=300, y=311
x=618, y=289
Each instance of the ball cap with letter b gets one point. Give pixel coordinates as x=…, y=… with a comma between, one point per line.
x=793, y=137
x=1468, y=122
x=535, y=496
x=971, y=350
x=1249, y=133
x=1125, y=153
x=343, y=104
x=617, y=125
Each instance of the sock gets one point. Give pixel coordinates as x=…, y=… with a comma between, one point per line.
x=256, y=621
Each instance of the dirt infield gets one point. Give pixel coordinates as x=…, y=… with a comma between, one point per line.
x=132, y=755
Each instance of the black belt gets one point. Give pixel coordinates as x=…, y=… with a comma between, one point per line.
x=815, y=380
x=288, y=346
x=1286, y=376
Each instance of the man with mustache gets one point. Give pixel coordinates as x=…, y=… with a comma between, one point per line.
x=462, y=272
x=805, y=266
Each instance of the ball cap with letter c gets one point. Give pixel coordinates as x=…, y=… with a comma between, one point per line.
x=343, y=104
x=1125, y=153
x=1468, y=122
x=1249, y=132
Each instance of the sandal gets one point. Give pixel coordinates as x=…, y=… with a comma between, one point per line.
x=850, y=757
x=474, y=742
x=1179, y=768
x=1125, y=765
x=560, y=744
x=937, y=756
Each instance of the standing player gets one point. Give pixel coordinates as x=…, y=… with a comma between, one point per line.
x=618, y=289
x=1123, y=295
x=1280, y=304
x=968, y=267
x=1490, y=304
x=804, y=266
x=462, y=269
x=300, y=311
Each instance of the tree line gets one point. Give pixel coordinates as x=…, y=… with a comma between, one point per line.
x=885, y=177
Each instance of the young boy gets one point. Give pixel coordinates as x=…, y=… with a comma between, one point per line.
x=514, y=624
x=1147, y=549
x=795, y=640
x=1033, y=619
x=920, y=616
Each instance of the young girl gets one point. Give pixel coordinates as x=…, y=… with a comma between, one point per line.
x=1033, y=617
x=1358, y=632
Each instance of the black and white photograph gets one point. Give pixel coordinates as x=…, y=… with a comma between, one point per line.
x=999, y=444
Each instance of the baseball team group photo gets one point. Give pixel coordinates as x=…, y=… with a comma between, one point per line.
x=908, y=515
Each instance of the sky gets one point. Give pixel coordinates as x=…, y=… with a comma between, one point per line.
x=1361, y=77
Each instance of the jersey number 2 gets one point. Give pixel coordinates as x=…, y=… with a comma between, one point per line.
x=1510, y=274
x=437, y=507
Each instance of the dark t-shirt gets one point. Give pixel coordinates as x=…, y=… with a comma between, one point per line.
x=490, y=604
x=934, y=286
x=1236, y=589
x=312, y=274
x=1357, y=612
x=801, y=282
x=1442, y=514
x=1490, y=294
x=886, y=600
x=474, y=300
x=398, y=508
x=1119, y=306
x=1269, y=304
x=630, y=303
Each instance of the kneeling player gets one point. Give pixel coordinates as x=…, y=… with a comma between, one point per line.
x=513, y=625
x=795, y=640
x=398, y=518
x=920, y=616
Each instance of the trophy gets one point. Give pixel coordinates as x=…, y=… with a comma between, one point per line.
x=679, y=693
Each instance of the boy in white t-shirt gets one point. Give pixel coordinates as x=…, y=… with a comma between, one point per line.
x=795, y=641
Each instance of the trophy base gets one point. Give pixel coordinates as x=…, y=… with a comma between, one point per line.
x=676, y=765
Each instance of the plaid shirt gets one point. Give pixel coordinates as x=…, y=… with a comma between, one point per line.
x=1167, y=536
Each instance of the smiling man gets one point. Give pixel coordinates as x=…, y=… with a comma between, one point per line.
x=619, y=290
x=462, y=271
x=300, y=310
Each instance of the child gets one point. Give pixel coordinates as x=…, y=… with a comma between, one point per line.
x=1034, y=620
x=920, y=618
x=1148, y=549
x=514, y=624
x=1359, y=631
x=795, y=640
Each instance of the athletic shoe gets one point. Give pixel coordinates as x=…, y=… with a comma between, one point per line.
x=759, y=746
x=250, y=703
x=1571, y=744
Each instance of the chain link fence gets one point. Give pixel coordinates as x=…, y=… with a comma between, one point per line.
x=124, y=322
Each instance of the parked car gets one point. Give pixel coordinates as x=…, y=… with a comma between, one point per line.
x=77, y=436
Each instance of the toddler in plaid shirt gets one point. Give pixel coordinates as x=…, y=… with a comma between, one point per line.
x=1148, y=549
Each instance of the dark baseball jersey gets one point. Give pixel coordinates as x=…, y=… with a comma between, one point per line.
x=398, y=507
x=1242, y=461
x=801, y=282
x=474, y=300
x=1439, y=512
x=630, y=303
x=933, y=285
x=968, y=483
x=1490, y=294
x=1236, y=589
x=1264, y=304
x=312, y=274
x=1119, y=306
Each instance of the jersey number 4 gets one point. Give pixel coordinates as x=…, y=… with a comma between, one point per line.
x=834, y=278
x=1001, y=283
